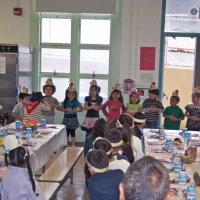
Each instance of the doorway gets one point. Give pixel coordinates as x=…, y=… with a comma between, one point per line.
x=179, y=65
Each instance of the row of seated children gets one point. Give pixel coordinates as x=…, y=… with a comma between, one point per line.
x=144, y=179
x=131, y=130
x=122, y=143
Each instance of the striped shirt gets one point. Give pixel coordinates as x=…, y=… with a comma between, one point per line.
x=147, y=105
x=36, y=113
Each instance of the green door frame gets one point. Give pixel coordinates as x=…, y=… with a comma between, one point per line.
x=162, y=46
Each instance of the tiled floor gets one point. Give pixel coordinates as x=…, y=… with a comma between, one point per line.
x=77, y=191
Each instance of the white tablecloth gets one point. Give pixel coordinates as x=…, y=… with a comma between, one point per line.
x=166, y=158
x=43, y=148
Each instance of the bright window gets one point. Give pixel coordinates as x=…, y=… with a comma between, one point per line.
x=95, y=31
x=56, y=30
x=74, y=56
x=94, y=60
x=55, y=59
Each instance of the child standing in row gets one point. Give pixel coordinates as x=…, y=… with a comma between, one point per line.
x=71, y=106
x=49, y=89
x=93, y=104
x=18, y=110
x=193, y=112
x=134, y=103
x=115, y=104
x=152, y=107
x=35, y=106
x=173, y=114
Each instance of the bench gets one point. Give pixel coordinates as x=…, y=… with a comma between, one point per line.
x=61, y=169
x=49, y=189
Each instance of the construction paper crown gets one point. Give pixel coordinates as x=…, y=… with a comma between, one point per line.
x=71, y=87
x=24, y=89
x=197, y=89
x=175, y=93
x=93, y=82
x=49, y=81
x=133, y=91
x=116, y=86
x=152, y=86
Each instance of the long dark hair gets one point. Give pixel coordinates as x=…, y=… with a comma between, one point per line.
x=99, y=128
x=67, y=99
x=20, y=157
x=127, y=122
x=119, y=92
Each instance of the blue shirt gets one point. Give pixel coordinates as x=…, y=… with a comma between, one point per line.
x=19, y=109
x=16, y=185
x=105, y=186
x=71, y=105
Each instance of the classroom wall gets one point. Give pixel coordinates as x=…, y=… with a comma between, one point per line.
x=14, y=29
x=141, y=22
x=141, y=27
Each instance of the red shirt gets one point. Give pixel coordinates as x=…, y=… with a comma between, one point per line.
x=115, y=108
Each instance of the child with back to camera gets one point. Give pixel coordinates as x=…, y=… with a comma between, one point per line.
x=71, y=106
x=97, y=131
x=134, y=103
x=18, y=181
x=193, y=111
x=152, y=107
x=115, y=104
x=93, y=104
x=103, y=183
x=18, y=110
x=173, y=114
x=49, y=89
x=126, y=121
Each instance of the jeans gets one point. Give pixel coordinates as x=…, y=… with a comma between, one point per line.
x=152, y=125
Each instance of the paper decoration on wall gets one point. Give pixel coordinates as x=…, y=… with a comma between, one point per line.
x=147, y=58
x=128, y=85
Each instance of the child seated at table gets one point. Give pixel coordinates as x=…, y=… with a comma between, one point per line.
x=146, y=179
x=139, y=122
x=18, y=181
x=173, y=114
x=103, y=183
x=18, y=110
x=126, y=121
x=152, y=107
x=33, y=109
x=114, y=162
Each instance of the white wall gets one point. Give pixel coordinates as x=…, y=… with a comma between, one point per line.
x=141, y=26
x=14, y=29
x=141, y=22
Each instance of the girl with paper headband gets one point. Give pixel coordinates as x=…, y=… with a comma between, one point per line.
x=71, y=106
x=115, y=104
x=134, y=103
x=93, y=103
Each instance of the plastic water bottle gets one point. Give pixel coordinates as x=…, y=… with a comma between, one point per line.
x=162, y=133
x=191, y=192
x=28, y=133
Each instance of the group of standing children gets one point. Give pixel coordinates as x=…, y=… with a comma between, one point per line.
x=37, y=107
